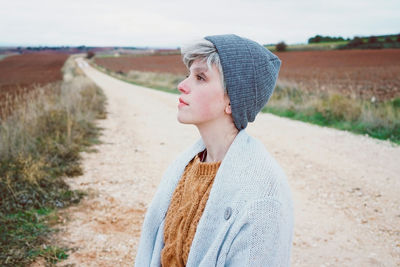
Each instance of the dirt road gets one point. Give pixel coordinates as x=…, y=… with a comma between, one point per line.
x=346, y=188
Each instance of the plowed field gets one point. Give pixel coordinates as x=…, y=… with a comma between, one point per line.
x=27, y=70
x=154, y=63
x=359, y=73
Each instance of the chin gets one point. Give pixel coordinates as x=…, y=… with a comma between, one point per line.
x=182, y=120
x=186, y=120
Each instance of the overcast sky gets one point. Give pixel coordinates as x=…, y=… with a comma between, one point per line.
x=171, y=23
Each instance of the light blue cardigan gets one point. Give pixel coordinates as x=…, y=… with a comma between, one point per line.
x=248, y=218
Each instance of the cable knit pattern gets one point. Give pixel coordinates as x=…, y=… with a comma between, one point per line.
x=187, y=205
x=248, y=217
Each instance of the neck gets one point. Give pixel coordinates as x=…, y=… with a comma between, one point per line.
x=217, y=137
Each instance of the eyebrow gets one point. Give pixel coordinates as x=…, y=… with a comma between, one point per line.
x=200, y=69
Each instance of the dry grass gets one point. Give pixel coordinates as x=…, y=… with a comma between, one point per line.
x=20, y=74
x=40, y=143
x=152, y=79
x=160, y=81
x=379, y=119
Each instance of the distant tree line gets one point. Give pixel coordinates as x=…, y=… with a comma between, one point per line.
x=369, y=42
x=65, y=49
x=56, y=48
x=324, y=39
x=373, y=42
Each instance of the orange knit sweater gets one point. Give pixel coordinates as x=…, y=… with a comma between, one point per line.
x=187, y=205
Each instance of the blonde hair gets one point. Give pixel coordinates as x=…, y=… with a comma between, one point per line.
x=204, y=50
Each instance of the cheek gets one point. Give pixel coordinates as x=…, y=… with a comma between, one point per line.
x=209, y=105
x=205, y=110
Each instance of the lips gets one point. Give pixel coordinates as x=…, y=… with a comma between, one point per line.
x=181, y=101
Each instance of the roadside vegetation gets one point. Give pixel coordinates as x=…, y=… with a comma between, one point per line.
x=166, y=82
x=377, y=118
x=40, y=143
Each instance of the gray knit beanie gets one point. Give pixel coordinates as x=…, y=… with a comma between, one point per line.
x=250, y=73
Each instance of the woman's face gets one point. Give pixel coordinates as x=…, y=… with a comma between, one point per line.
x=203, y=99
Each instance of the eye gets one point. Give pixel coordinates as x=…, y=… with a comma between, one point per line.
x=199, y=78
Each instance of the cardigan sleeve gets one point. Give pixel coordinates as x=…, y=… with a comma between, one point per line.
x=265, y=237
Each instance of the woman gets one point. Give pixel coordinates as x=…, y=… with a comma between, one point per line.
x=225, y=201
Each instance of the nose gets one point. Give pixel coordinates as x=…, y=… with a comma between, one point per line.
x=182, y=87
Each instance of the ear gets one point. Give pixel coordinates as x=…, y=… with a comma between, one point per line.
x=228, y=109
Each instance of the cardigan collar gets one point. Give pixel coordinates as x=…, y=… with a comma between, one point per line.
x=182, y=161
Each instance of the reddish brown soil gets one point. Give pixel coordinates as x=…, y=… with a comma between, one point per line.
x=28, y=70
x=361, y=73
x=155, y=63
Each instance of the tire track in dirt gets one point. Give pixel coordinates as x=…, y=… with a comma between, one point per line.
x=345, y=187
